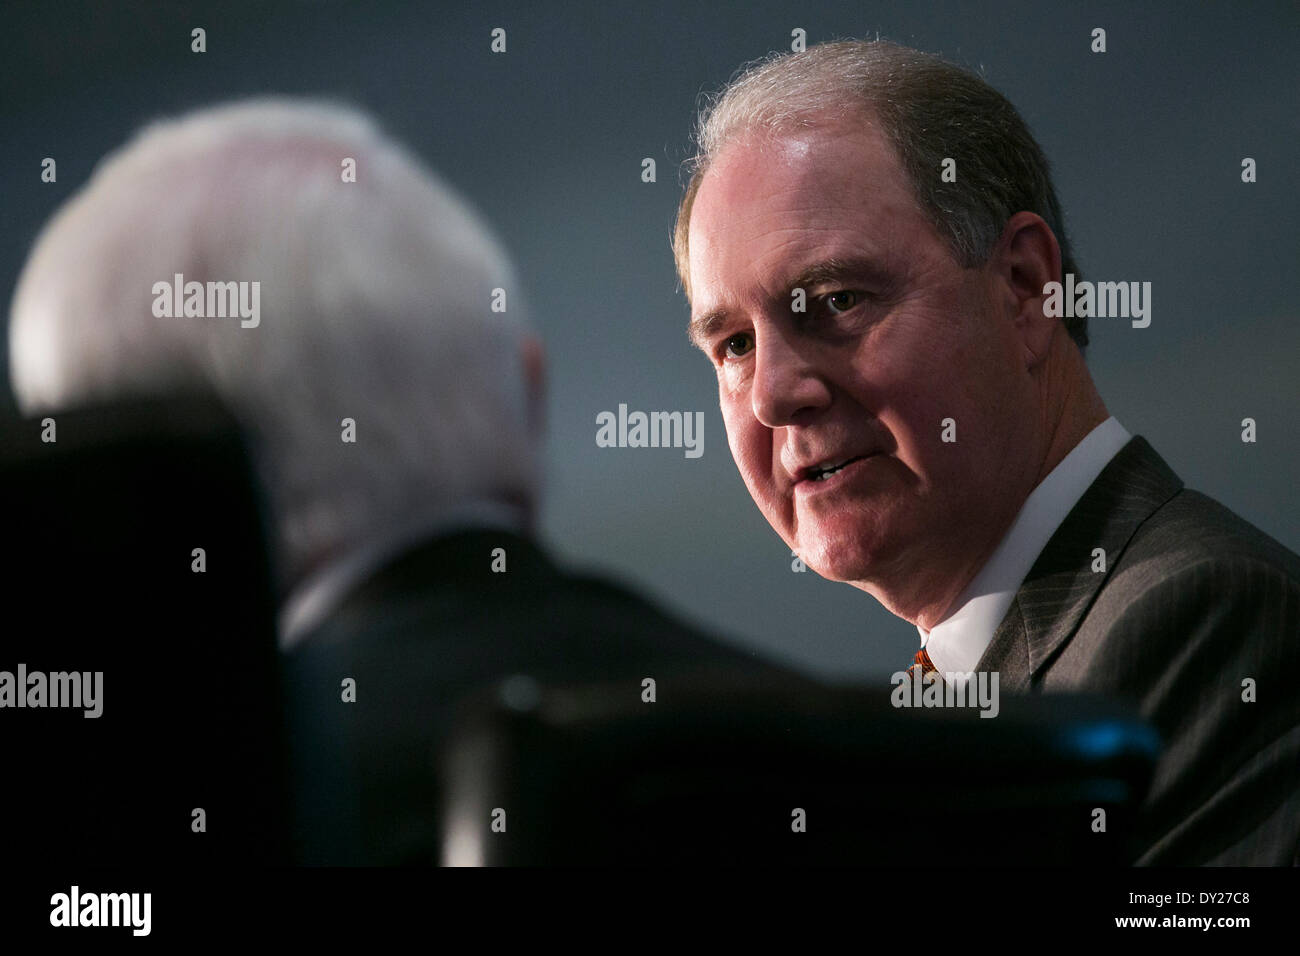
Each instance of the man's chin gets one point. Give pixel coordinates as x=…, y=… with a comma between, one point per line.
x=844, y=563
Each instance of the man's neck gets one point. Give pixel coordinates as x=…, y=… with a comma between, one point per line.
x=1073, y=427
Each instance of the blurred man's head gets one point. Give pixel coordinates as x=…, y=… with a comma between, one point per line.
x=819, y=182
x=375, y=305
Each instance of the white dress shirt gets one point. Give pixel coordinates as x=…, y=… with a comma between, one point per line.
x=957, y=643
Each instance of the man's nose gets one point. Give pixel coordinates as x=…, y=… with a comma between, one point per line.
x=787, y=387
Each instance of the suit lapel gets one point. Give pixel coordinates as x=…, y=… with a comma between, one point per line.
x=1061, y=585
x=1008, y=652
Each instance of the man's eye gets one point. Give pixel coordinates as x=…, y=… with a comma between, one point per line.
x=737, y=345
x=841, y=301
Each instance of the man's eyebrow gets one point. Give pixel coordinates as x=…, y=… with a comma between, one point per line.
x=839, y=270
x=701, y=329
x=825, y=272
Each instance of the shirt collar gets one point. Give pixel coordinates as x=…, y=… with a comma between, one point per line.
x=956, y=644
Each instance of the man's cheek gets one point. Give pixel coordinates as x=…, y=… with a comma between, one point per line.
x=733, y=421
x=753, y=460
x=751, y=468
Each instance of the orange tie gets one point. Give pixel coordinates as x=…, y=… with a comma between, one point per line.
x=922, y=660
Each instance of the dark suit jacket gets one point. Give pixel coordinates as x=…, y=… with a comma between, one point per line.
x=430, y=627
x=1193, y=601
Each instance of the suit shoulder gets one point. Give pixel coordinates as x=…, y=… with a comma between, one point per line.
x=1192, y=534
x=1197, y=578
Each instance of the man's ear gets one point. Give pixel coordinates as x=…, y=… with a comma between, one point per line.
x=1026, y=258
x=535, y=379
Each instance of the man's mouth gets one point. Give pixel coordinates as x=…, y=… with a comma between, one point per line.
x=827, y=469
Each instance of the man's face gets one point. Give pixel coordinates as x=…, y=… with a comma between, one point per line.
x=896, y=338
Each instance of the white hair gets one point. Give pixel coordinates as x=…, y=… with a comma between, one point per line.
x=375, y=305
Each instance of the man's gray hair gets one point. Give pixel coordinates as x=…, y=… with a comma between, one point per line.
x=375, y=305
x=928, y=109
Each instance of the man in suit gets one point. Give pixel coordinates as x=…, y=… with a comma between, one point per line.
x=366, y=329
x=868, y=241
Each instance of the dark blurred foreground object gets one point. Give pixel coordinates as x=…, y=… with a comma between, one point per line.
x=714, y=774
x=100, y=531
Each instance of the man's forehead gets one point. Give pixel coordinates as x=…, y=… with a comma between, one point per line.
x=821, y=150
x=791, y=198
x=765, y=222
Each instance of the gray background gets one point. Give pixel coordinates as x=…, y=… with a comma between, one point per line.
x=547, y=140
